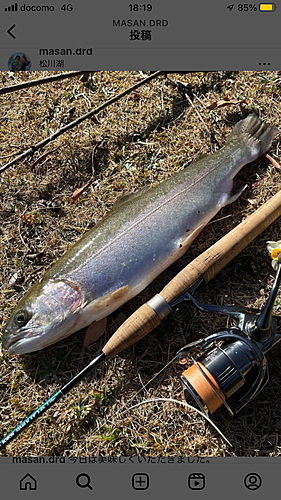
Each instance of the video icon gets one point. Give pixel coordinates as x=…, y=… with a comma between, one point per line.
x=196, y=481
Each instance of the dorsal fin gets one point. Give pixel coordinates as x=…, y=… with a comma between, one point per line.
x=124, y=198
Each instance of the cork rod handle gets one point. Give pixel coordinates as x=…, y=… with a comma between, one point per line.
x=205, y=266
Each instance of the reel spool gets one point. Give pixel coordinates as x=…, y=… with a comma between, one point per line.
x=231, y=372
x=231, y=368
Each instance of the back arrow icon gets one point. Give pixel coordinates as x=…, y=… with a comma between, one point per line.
x=10, y=29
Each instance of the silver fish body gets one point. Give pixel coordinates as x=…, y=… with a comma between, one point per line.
x=134, y=243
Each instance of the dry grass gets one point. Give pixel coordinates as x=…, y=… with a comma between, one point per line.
x=146, y=138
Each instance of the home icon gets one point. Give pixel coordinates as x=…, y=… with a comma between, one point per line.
x=28, y=482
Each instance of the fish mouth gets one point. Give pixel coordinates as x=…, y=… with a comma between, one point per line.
x=22, y=342
x=20, y=346
x=16, y=347
x=34, y=338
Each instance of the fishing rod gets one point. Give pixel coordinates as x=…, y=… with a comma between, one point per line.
x=150, y=315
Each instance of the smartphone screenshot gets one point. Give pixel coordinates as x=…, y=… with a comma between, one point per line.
x=140, y=248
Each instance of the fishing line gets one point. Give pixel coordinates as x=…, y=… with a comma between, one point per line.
x=144, y=386
x=187, y=406
x=147, y=383
x=139, y=391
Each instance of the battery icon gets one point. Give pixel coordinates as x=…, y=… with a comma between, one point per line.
x=267, y=7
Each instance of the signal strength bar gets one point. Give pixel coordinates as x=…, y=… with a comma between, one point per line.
x=11, y=8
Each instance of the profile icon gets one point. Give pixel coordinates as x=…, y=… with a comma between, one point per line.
x=19, y=62
x=252, y=481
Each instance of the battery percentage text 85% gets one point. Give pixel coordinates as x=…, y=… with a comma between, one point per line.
x=243, y=7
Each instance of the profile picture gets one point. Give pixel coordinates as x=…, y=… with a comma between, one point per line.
x=19, y=62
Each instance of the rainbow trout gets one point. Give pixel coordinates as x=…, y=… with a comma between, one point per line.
x=141, y=236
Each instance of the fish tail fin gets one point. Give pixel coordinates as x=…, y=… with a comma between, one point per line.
x=254, y=133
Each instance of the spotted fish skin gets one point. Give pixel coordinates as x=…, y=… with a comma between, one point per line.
x=139, y=238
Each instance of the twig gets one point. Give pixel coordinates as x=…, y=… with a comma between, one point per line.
x=81, y=190
x=19, y=224
x=94, y=157
x=162, y=96
x=217, y=220
x=42, y=157
x=197, y=112
x=274, y=162
x=39, y=81
x=73, y=124
x=7, y=156
x=182, y=87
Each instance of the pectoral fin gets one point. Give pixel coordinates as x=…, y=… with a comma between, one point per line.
x=109, y=301
x=118, y=294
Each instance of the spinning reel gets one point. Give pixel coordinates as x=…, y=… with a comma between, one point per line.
x=229, y=367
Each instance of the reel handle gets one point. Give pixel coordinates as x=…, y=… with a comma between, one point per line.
x=261, y=331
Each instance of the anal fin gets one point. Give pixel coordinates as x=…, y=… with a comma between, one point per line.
x=191, y=235
x=236, y=188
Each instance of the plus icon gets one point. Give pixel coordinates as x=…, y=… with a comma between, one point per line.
x=140, y=481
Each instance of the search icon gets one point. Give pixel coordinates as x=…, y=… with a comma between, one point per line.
x=83, y=483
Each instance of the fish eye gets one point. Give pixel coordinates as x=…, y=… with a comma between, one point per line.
x=22, y=317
